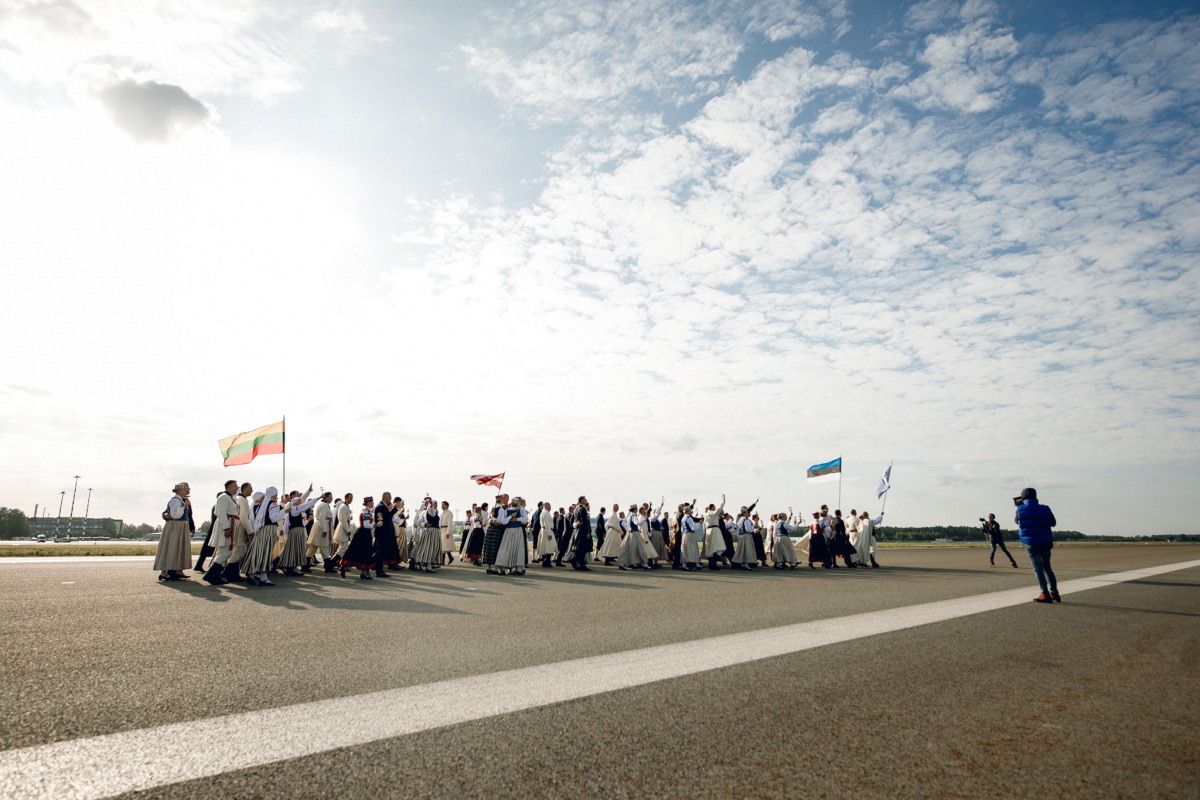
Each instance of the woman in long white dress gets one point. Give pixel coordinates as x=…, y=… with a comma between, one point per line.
x=783, y=553
x=651, y=530
x=634, y=550
x=611, y=548
x=689, y=550
x=400, y=525
x=744, y=554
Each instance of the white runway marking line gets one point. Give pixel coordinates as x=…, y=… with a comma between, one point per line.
x=103, y=766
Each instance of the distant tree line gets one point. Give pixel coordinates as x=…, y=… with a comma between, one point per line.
x=13, y=524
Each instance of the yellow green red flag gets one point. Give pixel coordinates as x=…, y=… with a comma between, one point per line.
x=245, y=447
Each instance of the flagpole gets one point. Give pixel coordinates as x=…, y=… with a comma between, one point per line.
x=283, y=485
x=841, y=471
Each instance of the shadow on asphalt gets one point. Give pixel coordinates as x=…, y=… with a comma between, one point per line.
x=298, y=596
x=1138, y=610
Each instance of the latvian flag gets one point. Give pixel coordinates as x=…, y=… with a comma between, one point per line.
x=243, y=448
x=824, y=473
x=489, y=480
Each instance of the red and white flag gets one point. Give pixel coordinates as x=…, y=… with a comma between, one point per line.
x=489, y=480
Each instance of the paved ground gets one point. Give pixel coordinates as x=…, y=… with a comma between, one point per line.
x=1094, y=697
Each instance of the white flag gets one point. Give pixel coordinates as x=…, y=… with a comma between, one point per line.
x=884, y=483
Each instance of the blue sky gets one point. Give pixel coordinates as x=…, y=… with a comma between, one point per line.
x=633, y=249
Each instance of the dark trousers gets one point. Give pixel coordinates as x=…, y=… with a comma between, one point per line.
x=760, y=552
x=1039, y=557
x=1002, y=547
x=206, y=550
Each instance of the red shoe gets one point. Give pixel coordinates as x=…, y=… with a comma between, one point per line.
x=1043, y=598
x=1057, y=599
x=1014, y=565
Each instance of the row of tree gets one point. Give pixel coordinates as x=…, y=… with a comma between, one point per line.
x=13, y=524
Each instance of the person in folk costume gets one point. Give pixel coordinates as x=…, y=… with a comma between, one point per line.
x=473, y=546
x=174, y=552
x=783, y=552
x=243, y=532
x=427, y=543
x=715, y=548
x=546, y=547
x=261, y=551
x=611, y=549
x=221, y=533
x=207, y=549
x=671, y=526
x=852, y=525
x=296, y=535
x=535, y=529
x=387, y=553
x=744, y=555
x=319, y=534
x=360, y=554
x=497, y=520
x=511, y=553
x=688, y=556
x=601, y=531
x=400, y=526
x=864, y=545
x=523, y=517
x=652, y=527
x=818, y=544
x=633, y=547
x=726, y=524
x=446, y=533
x=562, y=535
x=841, y=541
x=760, y=550
x=581, y=543
x=343, y=530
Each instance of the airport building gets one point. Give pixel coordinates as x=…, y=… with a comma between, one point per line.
x=92, y=526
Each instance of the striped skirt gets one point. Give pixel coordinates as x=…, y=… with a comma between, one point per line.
x=633, y=551
x=402, y=540
x=294, y=548
x=782, y=551
x=744, y=553
x=174, y=550
x=511, y=552
x=491, y=543
x=689, y=551
x=261, y=552
x=427, y=547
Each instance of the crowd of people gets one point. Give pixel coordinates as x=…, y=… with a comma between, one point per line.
x=254, y=535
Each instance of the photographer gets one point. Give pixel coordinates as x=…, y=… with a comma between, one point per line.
x=991, y=531
x=1035, y=521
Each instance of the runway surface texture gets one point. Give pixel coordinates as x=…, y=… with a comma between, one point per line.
x=934, y=676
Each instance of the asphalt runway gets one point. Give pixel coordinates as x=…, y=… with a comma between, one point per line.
x=1093, y=697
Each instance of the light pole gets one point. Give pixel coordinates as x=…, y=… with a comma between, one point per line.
x=86, y=510
x=73, y=493
x=58, y=520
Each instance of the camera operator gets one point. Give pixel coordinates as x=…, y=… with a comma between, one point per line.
x=991, y=531
x=1034, y=522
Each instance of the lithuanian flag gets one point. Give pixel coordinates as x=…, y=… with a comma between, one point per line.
x=245, y=447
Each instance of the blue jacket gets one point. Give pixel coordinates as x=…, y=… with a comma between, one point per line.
x=1035, y=521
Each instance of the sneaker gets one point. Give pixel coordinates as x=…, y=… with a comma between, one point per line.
x=1014, y=565
x=1043, y=598
x=1056, y=597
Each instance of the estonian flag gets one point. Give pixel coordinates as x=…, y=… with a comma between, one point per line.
x=824, y=473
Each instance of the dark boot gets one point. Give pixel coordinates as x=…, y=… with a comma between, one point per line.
x=232, y=574
x=875, y=564
x=329, y=566
x=213, y=575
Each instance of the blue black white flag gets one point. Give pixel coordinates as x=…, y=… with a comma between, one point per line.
x=885, y=483
x=827, y=472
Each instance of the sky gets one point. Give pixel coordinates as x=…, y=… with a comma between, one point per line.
x=633, y=250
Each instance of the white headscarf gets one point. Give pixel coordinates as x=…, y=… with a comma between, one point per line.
x=268, y=498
